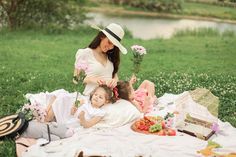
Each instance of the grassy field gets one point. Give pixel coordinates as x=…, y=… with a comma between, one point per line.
x=208, y=10
x=37, y=61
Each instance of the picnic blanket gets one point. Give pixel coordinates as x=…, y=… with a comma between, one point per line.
x=122, y=141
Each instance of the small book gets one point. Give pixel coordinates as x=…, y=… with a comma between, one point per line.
x=196, y=127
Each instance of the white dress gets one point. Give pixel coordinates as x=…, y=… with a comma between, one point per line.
x=95, y=68
x=89, y=113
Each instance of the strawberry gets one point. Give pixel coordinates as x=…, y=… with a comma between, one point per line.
x=163, y=124
x=146, y=128
x=141, y=127
x=171, y=132
x=161, y=133
x=152, y=123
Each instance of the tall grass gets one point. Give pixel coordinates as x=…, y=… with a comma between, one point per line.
x=204, y=32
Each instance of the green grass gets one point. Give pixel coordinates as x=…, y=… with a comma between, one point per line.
x=209, y=10
x=37, y=61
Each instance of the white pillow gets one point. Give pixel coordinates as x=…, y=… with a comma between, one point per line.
x=118, y=114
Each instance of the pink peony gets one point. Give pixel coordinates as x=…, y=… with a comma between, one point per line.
x=139, y=49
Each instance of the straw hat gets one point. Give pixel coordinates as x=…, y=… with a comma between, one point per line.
x=114, y=33
x=12, y=125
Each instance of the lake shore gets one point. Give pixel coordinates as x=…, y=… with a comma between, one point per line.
x=122, y=12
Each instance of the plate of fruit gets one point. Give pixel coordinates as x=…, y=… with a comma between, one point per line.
x=152, y=125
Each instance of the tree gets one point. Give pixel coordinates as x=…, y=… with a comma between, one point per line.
x=8, y=9
x=41, y=13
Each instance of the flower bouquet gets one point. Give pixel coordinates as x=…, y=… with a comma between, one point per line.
x=138, y=53
x=33, y=111
x=81, y=64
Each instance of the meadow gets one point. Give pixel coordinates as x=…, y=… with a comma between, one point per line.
x=39, y=61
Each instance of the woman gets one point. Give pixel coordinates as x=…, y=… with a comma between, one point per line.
x=102, y=58
x=100, y=61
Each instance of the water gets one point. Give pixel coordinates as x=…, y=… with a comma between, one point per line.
x=149, y=28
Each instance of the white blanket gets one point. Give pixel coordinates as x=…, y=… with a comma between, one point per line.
x=123, y=142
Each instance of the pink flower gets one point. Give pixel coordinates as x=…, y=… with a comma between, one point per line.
x=35, y=111
x=169, y=122
x=215, y=127
x=82, y=64
x=138, y=53
x=139, y=49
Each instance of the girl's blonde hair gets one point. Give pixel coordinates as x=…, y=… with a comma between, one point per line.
x=109, y=93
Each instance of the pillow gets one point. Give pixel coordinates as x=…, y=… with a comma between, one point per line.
x=118, y=114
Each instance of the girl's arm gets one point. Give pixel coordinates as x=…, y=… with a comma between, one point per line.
x=137, y=105
x=88, y=123
x=75, y=108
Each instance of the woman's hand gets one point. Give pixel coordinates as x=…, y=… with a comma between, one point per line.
x=111, y=83
x=97, y=80
x=101, y=81
x=75, y=81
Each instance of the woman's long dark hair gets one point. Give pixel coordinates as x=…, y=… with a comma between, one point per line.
x=113, y=54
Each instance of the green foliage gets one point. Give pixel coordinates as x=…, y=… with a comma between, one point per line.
x=42, y=13
x=208, y=10
x=158, y=5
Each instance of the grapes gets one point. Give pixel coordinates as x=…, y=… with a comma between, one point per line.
x=156, y=127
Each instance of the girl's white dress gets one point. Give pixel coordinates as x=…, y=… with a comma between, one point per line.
x=90, y=112
x=95, y=68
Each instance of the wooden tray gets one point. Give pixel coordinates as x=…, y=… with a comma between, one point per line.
x=134, y=128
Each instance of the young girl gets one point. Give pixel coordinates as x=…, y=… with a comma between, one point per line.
x=91, y=113
x=143, y=98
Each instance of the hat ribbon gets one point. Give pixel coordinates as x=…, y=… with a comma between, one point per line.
x=112, y=34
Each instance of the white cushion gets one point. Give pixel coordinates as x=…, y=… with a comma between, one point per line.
x=118, y=114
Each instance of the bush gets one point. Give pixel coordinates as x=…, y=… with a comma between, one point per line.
x=158, y=5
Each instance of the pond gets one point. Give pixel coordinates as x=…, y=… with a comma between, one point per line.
x=150, y=28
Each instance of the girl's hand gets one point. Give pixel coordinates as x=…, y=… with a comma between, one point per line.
x=73, y=109
x=81, y=101
x=133, y=79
